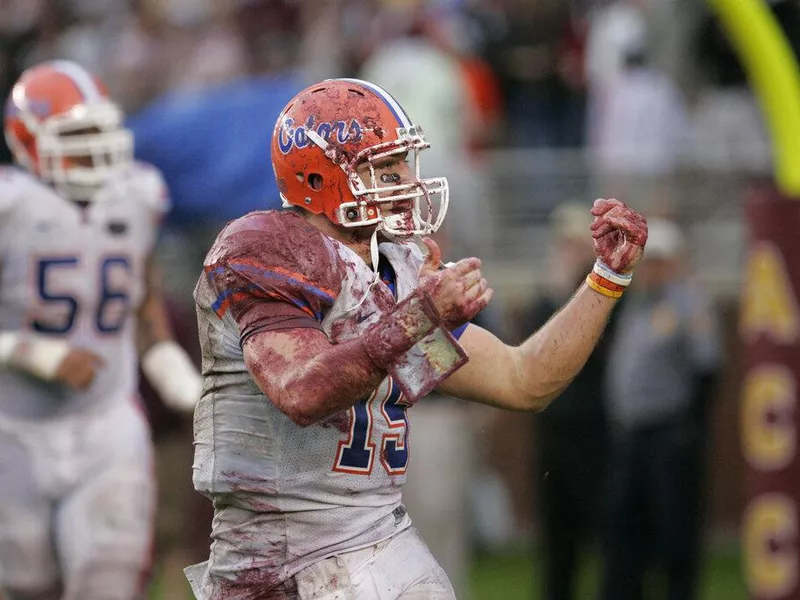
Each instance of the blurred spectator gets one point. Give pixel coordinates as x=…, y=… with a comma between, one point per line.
x=486, y=101
x=328, y=41
x=525, y=42
x=570, y=97
x=642, y=127
x=138, y=65
x=20, y=26
x=641, y=130
x=570, y=437
x=427, y=81
x=613, y=28
x=208, y=53
x=729, y=129
x=420, y=67
x=272, y=31
x=663, y=362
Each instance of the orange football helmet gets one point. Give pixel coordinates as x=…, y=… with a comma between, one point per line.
x=330, y=128
x=62, y=126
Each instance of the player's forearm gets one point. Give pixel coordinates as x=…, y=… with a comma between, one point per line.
x=321, y=381
x=310, y=379
x=551, y=358
x=36, y=354
x=152, y=322
x=167, y=366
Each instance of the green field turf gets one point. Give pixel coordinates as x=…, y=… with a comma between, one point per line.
x=514, y=576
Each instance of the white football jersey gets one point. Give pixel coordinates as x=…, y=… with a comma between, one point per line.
x=75, y=273
x=317, y=490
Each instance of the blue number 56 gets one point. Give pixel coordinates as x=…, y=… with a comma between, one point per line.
x=106, y=320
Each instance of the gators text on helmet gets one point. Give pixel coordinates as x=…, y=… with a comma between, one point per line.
x=329, y=129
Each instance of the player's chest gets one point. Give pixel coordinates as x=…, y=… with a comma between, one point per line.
x=65, y=264
x=60, y=228
x=363, y=300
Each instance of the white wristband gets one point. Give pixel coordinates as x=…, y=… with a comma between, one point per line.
x=173, y=375
x=605, y=271
x=35, y=354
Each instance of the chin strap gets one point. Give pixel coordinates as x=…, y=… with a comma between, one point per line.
x=373, y=250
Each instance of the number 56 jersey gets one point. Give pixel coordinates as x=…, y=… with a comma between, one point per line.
x=75, y=273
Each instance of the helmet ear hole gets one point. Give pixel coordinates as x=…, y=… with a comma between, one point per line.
x=315, y=181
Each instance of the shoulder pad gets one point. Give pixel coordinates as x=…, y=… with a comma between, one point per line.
x=14, y=185
x=282, y=243
x=144, y=183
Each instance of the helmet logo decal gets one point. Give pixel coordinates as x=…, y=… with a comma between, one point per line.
x=291, y=136
x=39, y=108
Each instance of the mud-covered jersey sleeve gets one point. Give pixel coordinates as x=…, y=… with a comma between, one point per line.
x=271, y=270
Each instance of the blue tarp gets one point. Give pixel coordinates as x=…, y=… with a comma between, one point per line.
x=213, y=146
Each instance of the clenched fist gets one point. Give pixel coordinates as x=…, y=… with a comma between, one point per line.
x=619, y=233
x=458, y=292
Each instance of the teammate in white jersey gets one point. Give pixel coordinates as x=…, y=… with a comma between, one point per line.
x=79, y=303
x=322, y=323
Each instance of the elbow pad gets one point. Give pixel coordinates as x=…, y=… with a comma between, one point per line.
x=173, y=375
x=38, y=355
x=414, y=347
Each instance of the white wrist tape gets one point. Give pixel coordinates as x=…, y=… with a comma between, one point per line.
x=38, y=355
x=173, y=375
x=605, y=271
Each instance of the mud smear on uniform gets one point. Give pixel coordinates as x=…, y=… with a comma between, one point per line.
x=240, y=482
x=258, y=582
x=340, y=421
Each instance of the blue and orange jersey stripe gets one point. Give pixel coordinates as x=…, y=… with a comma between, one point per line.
x=272, y=274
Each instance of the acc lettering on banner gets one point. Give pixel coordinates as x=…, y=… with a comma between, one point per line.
x=771, y=540
x=769, y=433
x=769, y=305
x=292, y=136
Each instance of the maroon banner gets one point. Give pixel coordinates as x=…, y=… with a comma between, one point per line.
x=769, y=328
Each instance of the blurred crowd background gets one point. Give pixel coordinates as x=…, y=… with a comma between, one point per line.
x=530, y=106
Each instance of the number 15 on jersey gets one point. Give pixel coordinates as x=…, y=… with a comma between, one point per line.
x=356, y=454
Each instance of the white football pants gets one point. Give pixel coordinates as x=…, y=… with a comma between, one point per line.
x=76, y=518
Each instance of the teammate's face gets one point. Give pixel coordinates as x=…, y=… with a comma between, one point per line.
x=80, y=161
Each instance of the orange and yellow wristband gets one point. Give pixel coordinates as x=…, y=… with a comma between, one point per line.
x=605, y=281
x=604, y=286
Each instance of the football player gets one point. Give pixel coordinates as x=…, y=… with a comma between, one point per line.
x=79, y=304
x=322, y=323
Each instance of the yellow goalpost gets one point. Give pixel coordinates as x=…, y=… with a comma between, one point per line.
x=769, y=326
